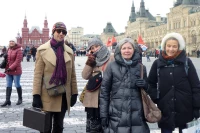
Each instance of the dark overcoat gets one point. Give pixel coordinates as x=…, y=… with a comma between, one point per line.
x=179, y=91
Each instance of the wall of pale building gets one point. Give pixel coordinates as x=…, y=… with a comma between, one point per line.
x=178, y=20
x=104, y=37
x=75, y=35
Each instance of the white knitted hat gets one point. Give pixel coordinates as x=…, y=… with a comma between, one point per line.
x=13, y=39
x=178, y=36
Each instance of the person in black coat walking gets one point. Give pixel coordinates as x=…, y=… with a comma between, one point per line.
x=33, y=52
x=121, y=108
x=174, y=85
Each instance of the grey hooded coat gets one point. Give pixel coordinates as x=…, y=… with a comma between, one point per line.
x=120, y=99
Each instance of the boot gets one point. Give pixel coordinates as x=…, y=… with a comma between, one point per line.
x=8, y=93
x=19, y=91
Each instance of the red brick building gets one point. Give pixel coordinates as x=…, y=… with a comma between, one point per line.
x=34, y=36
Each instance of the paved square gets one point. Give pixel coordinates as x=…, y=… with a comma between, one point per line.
x=11, y=117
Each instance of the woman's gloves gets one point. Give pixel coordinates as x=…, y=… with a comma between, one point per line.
x=140, y=83
x=91, y=60
x=7, y=70
x=73, y=99
x=37, y=102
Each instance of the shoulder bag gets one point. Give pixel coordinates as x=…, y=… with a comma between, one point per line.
x=94, y=82
x=54, y=90
x=151, y=112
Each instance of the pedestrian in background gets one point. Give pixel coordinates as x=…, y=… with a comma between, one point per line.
x=121, y=107
x=33, y=52
x=174, y=85
x=13, y=71
x=55, y=64
x=198, y=53
x=139, y=48
x=97, y=60
x=114, y=44
x=71, y=46
x=3, y=51
x=28, y=56
x=148, y=56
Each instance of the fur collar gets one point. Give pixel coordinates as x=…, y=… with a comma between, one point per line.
x=47, y=45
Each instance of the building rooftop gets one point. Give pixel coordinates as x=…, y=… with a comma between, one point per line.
x=35, y=27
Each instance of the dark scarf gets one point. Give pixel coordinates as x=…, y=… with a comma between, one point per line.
x=170, y=59
x=59, y=75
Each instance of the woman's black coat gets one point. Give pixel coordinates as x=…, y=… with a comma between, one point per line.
x=120, y=99
x=179, y=90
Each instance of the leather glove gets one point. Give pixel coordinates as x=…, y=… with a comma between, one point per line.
x=37, y=102
x=91, y=61
x=196, y=113
x=7, y=70
x=73, y=99
x=104, y=122
x=140, y=83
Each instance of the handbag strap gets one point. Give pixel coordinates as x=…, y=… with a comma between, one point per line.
x=143, y=93
x=141, y=71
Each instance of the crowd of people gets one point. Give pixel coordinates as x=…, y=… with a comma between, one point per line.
x=114, y=106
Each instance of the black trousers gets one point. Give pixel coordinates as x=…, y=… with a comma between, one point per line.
x=93, y=122
x=58, y=117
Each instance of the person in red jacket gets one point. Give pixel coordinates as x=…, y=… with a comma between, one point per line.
x=13, y=71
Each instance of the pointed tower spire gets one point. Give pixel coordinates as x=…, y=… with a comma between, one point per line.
x=132, y=16
x=142, y=9
x=45, y=31
x=18, y=34
x=45, y=22
x=25, y=22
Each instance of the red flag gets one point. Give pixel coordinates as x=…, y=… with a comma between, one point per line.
x=108, y=44
x=140, y=41
x=113, y=40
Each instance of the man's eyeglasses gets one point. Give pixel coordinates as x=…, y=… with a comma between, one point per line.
x=64, y=32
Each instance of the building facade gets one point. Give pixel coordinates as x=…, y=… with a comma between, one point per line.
x=34, y=36
x=75, y=35
x=183, y=18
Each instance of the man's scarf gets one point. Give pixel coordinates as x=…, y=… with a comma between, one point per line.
x=59, y=75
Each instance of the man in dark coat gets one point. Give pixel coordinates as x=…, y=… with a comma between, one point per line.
x=33, y=52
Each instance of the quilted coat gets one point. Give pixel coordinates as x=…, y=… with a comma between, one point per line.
x=14, y=59
x=120, y=98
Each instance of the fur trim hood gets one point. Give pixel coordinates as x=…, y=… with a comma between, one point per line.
x=178, y=36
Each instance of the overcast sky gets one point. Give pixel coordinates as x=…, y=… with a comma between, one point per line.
x=92, y=15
